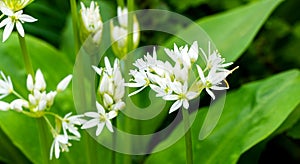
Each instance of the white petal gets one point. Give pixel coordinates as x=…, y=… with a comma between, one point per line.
x=171, y=97
x=7, y=31
x=6, y=11
x=4, y=106
x=51, y=149
x=185, y=103
x=212, y=95
x=134, y=85
x=64, y=83
x=111, y=114
x=109, y=125
x=20, y=28
x=137, y=91
x=89, y=124
x=107, y=65
x=27, y=18
x=99, y=128
x=40, y=83
x=219, y=88
x=92, y=114
x=5, y=22
x=177, y=104
x=201, y=74
x=100, y=108
x=29, y=83
x=56, y=149
x=98, y=70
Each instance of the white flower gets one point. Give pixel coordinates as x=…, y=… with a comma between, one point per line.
x=6, y=86
x=14, y=19
x=100, y=119
x=4, y=106
x=60, y=143
x=140, y=80
x=182, y=96
x=92, y=20
x=214, y=59
x=64, y=83
x=183, y=55
x=69, y=123
x=213, y=80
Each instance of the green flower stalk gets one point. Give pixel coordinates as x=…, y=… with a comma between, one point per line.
x=119, y=33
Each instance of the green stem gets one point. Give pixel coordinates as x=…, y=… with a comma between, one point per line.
x=28, y=66
x=120, y=3
x=188, y=137
x=113, y=155
x=45, y=147
x=75, y=24
x=130, y=5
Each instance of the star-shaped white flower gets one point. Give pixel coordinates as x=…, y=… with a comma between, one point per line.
x=69, y=123
x=6, y=86
x=182, y=96
x=213, y=80
x=100, y=119
x=13, y=19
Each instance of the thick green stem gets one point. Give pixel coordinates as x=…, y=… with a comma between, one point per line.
x=188, y=137
x=44, y=147
x=120, y=3
x=27, y=62
x=75, y=25
x=130, y=5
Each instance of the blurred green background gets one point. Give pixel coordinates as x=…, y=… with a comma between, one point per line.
x=274, y=49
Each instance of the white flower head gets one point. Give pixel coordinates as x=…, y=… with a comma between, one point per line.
x=13, y=19
x=69, y=123
x=6, y=86
x=214, y=59
x=60, y=144
x=91, y=19
x=99, y=119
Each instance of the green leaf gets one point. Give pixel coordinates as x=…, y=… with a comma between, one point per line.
x=250, y=115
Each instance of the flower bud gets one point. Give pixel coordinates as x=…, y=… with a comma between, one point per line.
x=119, y=33
x=91, y=24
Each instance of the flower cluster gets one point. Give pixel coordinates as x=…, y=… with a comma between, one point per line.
x=91, y=21
x=171, y=82
x=119, y=33
x=38, y=104
x=15, y=17
x=111, y=90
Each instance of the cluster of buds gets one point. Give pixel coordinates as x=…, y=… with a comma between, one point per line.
x=91, y=23
x=15, y=17
x=119, y=33
x=111, y=90
x=170, y=82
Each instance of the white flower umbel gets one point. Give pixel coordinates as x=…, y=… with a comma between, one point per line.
x=6, y=86
x=99, y=119
x=17, y=18
x=92, y=22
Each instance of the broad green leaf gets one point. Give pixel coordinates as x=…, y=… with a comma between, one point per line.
x=250, y=115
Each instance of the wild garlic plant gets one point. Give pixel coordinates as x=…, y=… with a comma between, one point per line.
x=170, y=80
